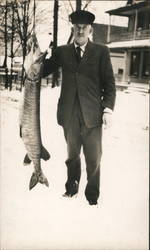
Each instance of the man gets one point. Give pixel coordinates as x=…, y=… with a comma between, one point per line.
x=86, y=101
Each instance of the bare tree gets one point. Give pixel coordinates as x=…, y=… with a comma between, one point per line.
x=78, y=4
x=87, y=3
x=5, y=41
x=12, y=25
x=55, y=34
x=22, y=12
x=12, y=42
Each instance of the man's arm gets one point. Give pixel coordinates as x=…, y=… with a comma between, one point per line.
x=109, y=89
x=51, y=64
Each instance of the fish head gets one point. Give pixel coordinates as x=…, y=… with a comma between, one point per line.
x=33, y=45
x=34, y=58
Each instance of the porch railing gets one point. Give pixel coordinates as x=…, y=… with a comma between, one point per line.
x=128, y=36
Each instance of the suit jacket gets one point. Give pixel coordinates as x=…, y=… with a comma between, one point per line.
x=92, y=79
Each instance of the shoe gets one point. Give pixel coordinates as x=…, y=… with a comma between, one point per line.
x=73, y=190
x=92, y=202
x=69, y=195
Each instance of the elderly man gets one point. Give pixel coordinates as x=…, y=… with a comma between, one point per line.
x=86, y=102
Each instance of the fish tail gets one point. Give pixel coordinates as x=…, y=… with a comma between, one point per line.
x=38, y=177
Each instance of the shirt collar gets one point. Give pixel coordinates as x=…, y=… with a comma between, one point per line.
x=82, y=47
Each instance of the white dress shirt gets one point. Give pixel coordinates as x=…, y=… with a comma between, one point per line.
x=81, y=47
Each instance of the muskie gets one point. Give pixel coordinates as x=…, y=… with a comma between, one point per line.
x=30, y=130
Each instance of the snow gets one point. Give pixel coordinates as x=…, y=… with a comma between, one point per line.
x=41, y=218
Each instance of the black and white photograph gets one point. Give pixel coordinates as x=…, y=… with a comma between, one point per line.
x=74, y=124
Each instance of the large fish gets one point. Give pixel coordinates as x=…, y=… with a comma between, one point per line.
x=30, y=129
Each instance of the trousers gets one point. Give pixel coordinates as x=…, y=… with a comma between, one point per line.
x=77, y=135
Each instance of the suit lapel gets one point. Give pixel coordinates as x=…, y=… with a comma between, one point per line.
x=73, y=58
x=88, y=54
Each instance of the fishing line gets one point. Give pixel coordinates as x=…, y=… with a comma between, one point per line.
x=35, y=45
x=34, y=9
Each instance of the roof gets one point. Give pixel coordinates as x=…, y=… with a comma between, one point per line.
x=130, y=44
x=128, y=9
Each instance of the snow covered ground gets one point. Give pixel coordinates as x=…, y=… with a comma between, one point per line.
x=42, y=219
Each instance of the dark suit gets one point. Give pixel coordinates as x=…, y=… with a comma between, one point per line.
x=87, y=88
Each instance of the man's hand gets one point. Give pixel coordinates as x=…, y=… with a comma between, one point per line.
x=49, y=52
x=107, y=120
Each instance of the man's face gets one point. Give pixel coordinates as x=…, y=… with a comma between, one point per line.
x=81, y=33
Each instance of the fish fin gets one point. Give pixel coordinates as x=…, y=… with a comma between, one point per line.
x=45, y=154
x=26, y=160
x=20, y=131
x=33, y=181
x=46, y=183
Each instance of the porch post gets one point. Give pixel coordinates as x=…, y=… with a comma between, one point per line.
x=109, y=29
x=135, y=24
x=141, y=64
x=126, y=77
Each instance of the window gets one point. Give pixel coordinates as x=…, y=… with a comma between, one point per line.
x=143, y=21
x=140, y=23
x=135, y=63
x=146, y=64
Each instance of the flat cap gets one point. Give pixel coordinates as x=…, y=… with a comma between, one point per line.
x=82, y=17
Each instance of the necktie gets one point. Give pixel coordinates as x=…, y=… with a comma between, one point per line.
x=78, y=50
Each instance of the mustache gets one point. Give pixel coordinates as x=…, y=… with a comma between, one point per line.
x=80, y=35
